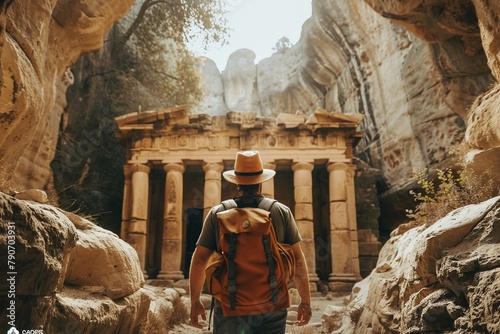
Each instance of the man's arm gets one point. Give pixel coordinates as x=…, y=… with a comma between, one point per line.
x=301, y=280
x=196, y=279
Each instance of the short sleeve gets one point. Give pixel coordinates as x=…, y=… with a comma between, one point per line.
x=284, y=224
x=207, y=236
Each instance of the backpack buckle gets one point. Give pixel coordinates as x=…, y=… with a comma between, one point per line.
x=231, y=286
x=273, y=283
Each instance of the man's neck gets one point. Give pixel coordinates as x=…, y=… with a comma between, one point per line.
x=248, y=200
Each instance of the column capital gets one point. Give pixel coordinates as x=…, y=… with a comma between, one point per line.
x=337, y=166
x=215, y=166
x=174, y=167
x=127, y=170
x=269, y=165
x=302, y=166
x=139, y=168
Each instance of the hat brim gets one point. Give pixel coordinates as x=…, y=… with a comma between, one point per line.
x=267, y=174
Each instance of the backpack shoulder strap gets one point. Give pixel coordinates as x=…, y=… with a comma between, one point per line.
x=267, y=203
x=225, y=205
x=229, y=204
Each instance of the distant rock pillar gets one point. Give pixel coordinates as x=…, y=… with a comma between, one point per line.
x=171, y=251
x=268, y=186
x=137, y=226
x=343, y=231
x=213, y=189
x=302, y=181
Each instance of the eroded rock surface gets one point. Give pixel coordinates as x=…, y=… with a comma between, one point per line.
x=40, y=40
x=441, y=278
x=71, y=275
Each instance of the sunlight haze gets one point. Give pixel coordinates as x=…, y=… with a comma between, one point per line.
x=257, y=25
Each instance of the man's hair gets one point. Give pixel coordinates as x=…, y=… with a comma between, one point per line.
x=249, y=189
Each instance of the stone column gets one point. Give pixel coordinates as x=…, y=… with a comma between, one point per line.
x=137, y=227
x=302, y=181
x=268, y=186
x=213, y=190
x=127, y=205
x=171, y=249
x=343, y=276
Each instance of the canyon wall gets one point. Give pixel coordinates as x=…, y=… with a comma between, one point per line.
x=39, y=41
x=424, y=74
x=413, y=68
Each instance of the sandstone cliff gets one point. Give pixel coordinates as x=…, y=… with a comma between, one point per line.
x=39, y=41
x=423, y=73
x=439, y=279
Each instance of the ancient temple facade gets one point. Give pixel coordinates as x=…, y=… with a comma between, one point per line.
x=173, y=177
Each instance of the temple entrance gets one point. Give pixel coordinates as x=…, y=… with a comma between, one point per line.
x=194, y=222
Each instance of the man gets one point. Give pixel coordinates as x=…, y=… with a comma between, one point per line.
x=248, y=175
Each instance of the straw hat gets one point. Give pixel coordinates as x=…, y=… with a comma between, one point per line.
x=248, y=169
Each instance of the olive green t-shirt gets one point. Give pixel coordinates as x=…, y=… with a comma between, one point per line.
x=282, y=219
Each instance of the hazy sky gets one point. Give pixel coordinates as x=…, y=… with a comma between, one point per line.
x=257, y=25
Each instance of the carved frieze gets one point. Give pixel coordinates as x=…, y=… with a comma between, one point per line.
x=242, y=131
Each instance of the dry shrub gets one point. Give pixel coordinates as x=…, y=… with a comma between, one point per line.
x=179, y=315
x=449, y=189
x=330, y=324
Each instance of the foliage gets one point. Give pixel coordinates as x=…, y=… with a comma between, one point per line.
x=282, y=44
x=150, y=55
x=449, y=189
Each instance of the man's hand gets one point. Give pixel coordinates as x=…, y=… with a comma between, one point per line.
x=197, y=309
x=196, y=279
x=304, y=314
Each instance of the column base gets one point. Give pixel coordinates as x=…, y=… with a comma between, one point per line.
x=313, y=280
x=173, y=275
x=342, y=282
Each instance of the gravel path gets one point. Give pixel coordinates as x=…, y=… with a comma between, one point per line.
x=318, y=305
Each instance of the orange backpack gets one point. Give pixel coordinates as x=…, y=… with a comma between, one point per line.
x=250, y=271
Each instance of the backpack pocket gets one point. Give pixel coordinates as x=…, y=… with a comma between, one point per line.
x=214, y=274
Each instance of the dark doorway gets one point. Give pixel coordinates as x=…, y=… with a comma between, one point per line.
x=155, y=222
x=321, y=207
x=194, y=222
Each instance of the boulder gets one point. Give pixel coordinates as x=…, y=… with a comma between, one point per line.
x=40, y=238
x=101, y=259
x=70, y=275
x=437, y=278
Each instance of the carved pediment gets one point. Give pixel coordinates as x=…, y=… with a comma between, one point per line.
x=174, y=129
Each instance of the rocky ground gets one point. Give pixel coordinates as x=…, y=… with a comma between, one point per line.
x=320, y=305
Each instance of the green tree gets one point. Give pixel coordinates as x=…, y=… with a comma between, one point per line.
x=143, y=65
x=150, y=53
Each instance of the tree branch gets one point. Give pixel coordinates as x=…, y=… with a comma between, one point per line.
x=146, y=5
